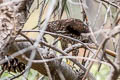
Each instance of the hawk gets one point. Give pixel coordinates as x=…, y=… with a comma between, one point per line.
x=68, y=27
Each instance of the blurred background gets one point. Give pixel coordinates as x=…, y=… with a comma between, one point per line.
x=97, y=14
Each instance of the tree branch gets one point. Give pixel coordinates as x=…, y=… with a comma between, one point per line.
x=66, y=70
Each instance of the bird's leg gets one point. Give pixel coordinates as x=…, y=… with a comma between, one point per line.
x=75, y=52
x=64, y=45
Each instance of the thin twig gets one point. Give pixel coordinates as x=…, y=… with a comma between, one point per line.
x=73, y=60
x=67, y=37
x=102, y=45
x=110, y=3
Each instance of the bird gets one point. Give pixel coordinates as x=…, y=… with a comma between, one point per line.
x=69, y=27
